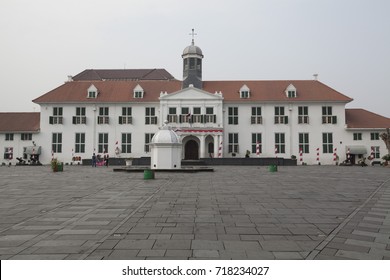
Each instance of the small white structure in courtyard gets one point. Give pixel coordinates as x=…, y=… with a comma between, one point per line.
x=165, y=149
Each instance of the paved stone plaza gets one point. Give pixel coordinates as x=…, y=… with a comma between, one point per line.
x=236, y=212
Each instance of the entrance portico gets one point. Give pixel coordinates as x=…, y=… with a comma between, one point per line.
x=200, y=143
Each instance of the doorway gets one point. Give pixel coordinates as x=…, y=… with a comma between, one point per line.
x=191, y=150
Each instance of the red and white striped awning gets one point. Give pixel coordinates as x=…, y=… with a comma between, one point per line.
x=201, y=130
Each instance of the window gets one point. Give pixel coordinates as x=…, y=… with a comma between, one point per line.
x=56, y=143
x=8, y=153
x=374, y=136
x=375, y=152
x=172, y=116
x=291, y=94
x=327, y=116
x=280, y=118
x=291, y=91
x=256, y=117
x=103, y=143
x=79, y=143
x=126, y=143
x=244, y=92
x=327, y=143
x=303, y=114
x=233, y=115
x=150, y=117
x=57, y=116
x=9, y=137
x=92, y=92
x=126, y=117
x=26, y=136
x=103, y=117
x=80, y=117
x=280, y=143
x=357, y=136
x=185, y=116
x=256, y=138
x=192, y=63
x=148, y=138
x=304, y=142
x=138, y=92
x=210, y=117
x=197, y=117
x=233, y=143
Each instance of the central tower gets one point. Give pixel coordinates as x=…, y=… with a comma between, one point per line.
x=192, y=65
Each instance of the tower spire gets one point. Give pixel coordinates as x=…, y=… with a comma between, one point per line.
x=193, y=34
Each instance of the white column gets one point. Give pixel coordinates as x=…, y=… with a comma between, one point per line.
x=216, y=145
x=202, y=146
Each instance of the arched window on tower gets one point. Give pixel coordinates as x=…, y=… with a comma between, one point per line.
x=192, y=63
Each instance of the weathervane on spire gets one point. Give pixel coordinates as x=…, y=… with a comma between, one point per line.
x=193, y=36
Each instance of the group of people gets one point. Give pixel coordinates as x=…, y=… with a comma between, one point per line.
x=97, y=160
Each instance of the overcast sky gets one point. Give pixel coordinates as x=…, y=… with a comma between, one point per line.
x=347, y=42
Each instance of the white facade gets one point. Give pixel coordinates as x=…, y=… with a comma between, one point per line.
x=221, y=119
x=206, y=134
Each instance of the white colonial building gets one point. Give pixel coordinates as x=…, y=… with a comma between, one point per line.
x=118, y=111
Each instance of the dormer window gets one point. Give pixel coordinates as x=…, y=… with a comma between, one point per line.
x=244, y=92
x=92, y=92
x=138, y=92
x=291, y=91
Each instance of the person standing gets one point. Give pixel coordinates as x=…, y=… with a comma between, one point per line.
x=93, y=160
x=107, y=157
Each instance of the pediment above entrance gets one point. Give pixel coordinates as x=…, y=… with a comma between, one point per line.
x=191, y=93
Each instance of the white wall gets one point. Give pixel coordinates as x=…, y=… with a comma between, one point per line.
x=341, y=136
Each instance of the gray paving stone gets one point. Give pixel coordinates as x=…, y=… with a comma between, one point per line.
x=59, y=243
x=178, y=253
x=236, y=206
x=365, y=244
x=124, y=255
x=206, y=254
x=242, y=245
x=287, y=256
x=172, y=244
x=151, y=253
x=207, y=245
x=127, y=244
x=280, y=245
x=357, y=255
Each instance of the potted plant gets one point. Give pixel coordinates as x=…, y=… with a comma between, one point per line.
x=56, y=165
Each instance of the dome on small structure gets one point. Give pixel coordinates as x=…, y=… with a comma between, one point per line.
x=165, y=135
x=192, y=49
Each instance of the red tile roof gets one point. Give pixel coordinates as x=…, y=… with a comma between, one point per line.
x=19, y=122
x=307, y=90
x=360, y=118
x=123, y=74
x=122, y=91
x=108, y=91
